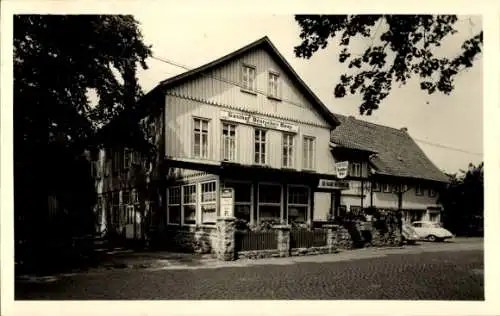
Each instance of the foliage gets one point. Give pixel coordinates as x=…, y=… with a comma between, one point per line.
x=463, y=200
x=58, y=60
x=404, y=48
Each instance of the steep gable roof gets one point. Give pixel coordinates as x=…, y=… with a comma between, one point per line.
x=397, y=154
x=266, y=44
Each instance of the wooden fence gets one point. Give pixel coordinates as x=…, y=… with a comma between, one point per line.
x=256, y=240
x=301, y=238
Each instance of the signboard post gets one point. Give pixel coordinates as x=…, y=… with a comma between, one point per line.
x=227, y=203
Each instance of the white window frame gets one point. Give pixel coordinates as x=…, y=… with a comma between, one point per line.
x=262, y=144
x=288, y=147
x=355, y=169
x=200, y=133
x=259, y=204
x=184, y=204
x=249, y=73
x=214, y=202
x=308, y=154
x=308, y=212
x=174, y=205
x=274, y=85
x=233, y=155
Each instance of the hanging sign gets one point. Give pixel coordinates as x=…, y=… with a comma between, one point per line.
x=342, y=168
x=227, y=203
x=259, y=121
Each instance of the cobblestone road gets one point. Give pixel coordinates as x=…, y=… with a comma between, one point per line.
x=433, y=275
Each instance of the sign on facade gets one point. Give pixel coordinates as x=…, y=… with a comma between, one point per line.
x=342, y=168
x=333, y=184
x=227, y=202
x=259, y=121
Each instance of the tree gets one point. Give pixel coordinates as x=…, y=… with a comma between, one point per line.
x=405, y=48
x=58, y=60
x=463, y=200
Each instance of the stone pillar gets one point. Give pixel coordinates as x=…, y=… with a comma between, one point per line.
x=226, y=229
x=331, y=237
x=283, y=239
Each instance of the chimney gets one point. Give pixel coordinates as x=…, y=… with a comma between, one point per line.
x=404, y=129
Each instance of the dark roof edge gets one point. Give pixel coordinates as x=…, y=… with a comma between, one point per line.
x=327, y=114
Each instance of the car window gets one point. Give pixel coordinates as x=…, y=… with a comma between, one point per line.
x=417, y=225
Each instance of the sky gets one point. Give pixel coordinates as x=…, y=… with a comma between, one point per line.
x=454, y=120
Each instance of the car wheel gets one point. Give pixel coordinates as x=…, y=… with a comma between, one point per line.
x=431, y=238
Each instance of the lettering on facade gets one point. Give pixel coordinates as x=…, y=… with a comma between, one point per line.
x=342, y=168
x=259, y=121
x=333, y=184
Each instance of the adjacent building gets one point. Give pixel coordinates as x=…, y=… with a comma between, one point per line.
x=247, y=122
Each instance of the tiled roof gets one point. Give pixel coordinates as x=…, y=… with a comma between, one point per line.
x=397, y=154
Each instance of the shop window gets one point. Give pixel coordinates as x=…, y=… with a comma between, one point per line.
x=189, y=204
x=208, y=202
x=308, y=153
x=269, y=203
x=376, y=187
x=228, y=142
x=298, y=204
x=288, y=150
x=260, y=146
x=174, y=205
x=355, y=210
x=242, y=199
x=248, y=77
x=200, y=143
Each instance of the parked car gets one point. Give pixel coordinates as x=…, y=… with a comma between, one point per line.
x=431, y=231
x=409, y=234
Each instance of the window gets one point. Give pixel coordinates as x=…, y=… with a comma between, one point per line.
x=432, y=193
x=260, y=146
x=135, y=197
x=288, y=150
x=298, y=203
x=269, y=205
x=189, y=204
x=200, y=148
x=419, y=190
x=355, y=210
x=355, y=169
x=418, y=225
x=274, y=85
x=248, y=77
x=376, y=187
x=387, y=188
x=115, y=202
x=116, y=162
x=174, y=205
x=242, y=199
x=208, y=203
x=126, y=159
x=228, y=142
x=308, y=150
x=342, y=210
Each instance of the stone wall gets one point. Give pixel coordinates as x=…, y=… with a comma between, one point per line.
x=201, y=240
